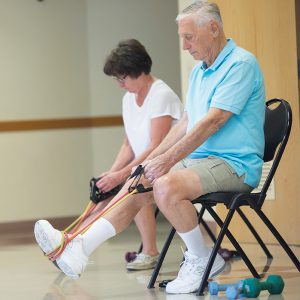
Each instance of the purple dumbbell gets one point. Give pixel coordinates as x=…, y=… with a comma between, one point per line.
x=130, y=256
x=228, y=254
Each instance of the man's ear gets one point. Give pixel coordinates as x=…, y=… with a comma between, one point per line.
x=214, y=27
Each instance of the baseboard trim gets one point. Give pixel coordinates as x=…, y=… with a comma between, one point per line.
x=21, y=232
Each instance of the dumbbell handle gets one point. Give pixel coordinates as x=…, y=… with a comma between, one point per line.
x=214, y=287
x=234, y=293
x=264, y=285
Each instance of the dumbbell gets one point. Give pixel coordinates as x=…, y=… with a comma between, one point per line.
x=234, y=293
x=228, y=254
x=252, y=286
x=214, y=287
x=130, y=256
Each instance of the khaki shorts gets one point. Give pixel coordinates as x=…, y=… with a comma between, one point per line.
x=215, y=175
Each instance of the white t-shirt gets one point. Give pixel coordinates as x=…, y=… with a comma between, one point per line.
x=160, y=101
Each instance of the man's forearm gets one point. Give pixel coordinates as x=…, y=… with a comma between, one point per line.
x=213, y=121
x=174, y=135
x=173, y=153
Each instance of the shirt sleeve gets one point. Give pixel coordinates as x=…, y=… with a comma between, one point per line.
x=165, y=103
x=235, y=89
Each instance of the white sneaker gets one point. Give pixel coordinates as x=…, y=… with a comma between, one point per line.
x=46, y=236
x=142, y=262
x=191, y=272
x=73, y=260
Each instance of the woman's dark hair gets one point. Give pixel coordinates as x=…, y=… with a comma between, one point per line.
x=128, y=58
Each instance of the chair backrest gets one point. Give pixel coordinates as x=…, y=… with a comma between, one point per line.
x=278, y=123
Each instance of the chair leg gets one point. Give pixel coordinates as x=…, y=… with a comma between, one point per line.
x=204, y=224
x=161, y=258
x=140, y=248
x=156, y=212
x=279, y=238
x=214, y=252
x=254, y=232
x=235, y=244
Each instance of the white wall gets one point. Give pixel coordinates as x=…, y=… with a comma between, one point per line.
x=44, y=63
x=186, y=60
x=51, y=67
x=43, y=74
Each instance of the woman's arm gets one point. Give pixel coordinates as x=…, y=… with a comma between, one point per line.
x=174, y=135
x=160, y=127
x=114, y=176
x=122, y=166
x=124, y=157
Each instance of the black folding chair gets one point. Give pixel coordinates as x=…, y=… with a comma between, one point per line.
x=277, y=129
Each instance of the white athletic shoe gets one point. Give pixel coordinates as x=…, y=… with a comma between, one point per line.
x=142, y=262
x=191, y=272
x=47, y=237
x=73, y=260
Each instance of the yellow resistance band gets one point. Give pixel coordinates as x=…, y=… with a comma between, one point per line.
x=66, y=238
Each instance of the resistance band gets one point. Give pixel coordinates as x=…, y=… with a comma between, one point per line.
x=72, y=231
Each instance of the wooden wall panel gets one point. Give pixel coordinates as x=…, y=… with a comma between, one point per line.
x=268, y=29
x=45, y=124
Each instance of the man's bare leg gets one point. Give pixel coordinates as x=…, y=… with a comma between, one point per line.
x=173, y=194
x=116, y=220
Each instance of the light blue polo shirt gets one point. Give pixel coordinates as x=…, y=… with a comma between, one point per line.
x=234, y=83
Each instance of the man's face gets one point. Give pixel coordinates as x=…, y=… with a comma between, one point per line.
x=197, y=40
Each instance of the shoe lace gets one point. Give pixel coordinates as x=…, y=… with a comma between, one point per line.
x=140, y=257
x=191, y=266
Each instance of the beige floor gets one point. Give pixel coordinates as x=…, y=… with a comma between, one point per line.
x=26, y=274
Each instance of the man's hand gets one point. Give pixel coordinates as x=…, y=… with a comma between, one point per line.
x=156, y=167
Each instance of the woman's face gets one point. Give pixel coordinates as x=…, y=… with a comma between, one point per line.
x=128, y=83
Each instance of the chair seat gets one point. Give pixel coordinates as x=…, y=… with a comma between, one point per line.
x=229, y=199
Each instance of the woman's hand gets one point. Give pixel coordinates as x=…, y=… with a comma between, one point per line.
x=109, y=180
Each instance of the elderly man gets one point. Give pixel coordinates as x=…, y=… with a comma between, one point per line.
x=216, y=146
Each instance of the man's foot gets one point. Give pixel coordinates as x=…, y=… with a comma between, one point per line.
x=73, y=260
x=46, y=236
x=142, y=262
x=191, y=272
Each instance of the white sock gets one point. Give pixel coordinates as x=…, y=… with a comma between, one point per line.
x=99, y=232
x=194, y=242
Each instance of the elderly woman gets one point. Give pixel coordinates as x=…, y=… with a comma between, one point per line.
x=150, y=109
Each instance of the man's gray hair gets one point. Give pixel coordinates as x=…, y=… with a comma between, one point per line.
x=202, y=12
